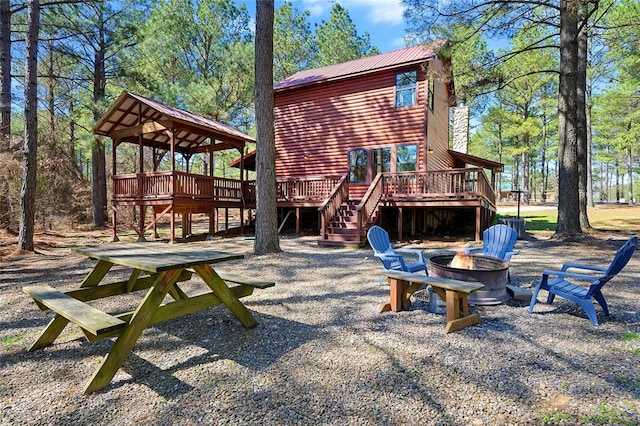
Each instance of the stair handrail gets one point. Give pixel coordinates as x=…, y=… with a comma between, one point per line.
x=369, y=203
x=332, y=203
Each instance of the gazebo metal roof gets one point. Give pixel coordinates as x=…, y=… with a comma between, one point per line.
x=132, y=115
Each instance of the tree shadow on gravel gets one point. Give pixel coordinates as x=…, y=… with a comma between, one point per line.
x=213, y=338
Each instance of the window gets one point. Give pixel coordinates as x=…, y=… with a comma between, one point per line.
x=430, y=93
x=406, y=158
x=406, y=83
x=358, y=165
x=381, y=161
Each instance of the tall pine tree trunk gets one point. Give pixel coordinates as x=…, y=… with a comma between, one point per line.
x=630, y=172
x=98, y=162
x=581, y=117
x=266, y=208
x=5, y=73
x=5, y=103
x=568, y=199
x=28, y=193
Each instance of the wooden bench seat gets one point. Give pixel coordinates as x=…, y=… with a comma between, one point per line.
x=455, y=293
x=249, y=281
x=242, y=280
x=85, y=316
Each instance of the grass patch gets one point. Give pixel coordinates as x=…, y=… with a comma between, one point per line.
x=630, y=336
x=11, y=340
x=604, y=217
x=602, y=416
x=554, y=416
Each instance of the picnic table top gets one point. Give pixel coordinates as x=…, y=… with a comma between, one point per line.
x=155, y=257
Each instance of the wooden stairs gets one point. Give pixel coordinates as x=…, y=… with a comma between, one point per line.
x=343, y=230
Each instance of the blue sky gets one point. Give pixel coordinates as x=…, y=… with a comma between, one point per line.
x=382, y=19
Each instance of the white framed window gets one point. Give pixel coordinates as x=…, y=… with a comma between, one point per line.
x=406, y=89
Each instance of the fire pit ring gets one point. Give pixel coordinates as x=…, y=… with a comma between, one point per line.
x=490, y=271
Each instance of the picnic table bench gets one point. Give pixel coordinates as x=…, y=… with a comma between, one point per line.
x=157, y=268
x=455, y=293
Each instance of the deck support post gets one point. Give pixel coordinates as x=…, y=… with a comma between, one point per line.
x=185, y=224
x=143, y=210
x=114, y=235
x=241, y=220
x=172, y=238
x=226, y=219
x=211, y=217
x=478, y=223
x=155, y=225
x=399, y=223
x=298, y=221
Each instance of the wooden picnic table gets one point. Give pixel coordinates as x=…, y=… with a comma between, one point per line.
x=157, y=268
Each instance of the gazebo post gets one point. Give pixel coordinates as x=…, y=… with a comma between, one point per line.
x=114, y=225
x=242, y=188
x=155, y=215
x=172, y=145
x=143, y=208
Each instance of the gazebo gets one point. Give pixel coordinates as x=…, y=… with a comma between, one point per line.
x=158, y=129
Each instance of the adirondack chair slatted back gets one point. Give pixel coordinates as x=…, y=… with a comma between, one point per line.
x=622, y=257
x=381, y=245
x=498, y=240
x=394, y=259
x=379, y=240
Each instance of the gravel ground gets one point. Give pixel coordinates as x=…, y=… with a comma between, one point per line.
x=324, y=354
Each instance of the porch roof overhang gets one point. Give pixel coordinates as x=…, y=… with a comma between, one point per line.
x=249, y=161
x=477, y=161
x=137, y=119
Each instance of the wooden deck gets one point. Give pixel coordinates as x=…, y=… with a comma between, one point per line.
x=448, y=186
x=185, y=193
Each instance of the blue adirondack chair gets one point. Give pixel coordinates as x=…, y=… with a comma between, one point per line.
x=497, y=241
x=559, y=286
x=393, y=259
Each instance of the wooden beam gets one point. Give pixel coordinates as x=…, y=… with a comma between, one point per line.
x=214, y=147
x=141, y=129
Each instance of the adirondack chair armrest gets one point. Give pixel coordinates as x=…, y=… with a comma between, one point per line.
x=584, y=267
x=393, y=257
x=507, y=255
x=416, y=252
x=564, y=274
x=470, y=250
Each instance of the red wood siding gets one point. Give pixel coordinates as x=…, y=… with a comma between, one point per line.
x=438, y=123
x=316, y=126
x=323, y=123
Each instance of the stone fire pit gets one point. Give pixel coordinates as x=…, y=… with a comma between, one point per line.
x=490, y=271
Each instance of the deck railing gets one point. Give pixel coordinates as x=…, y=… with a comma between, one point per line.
x=153, y=185
x=369, y=203
x=306, y=189
x=454, y=183
x=332, y=203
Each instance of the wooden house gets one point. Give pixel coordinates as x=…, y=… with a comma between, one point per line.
x=358, y=143
x=367, y=141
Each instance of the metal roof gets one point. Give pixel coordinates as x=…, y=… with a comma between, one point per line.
x=477, y=161
x=132, y=115
x=394, y=59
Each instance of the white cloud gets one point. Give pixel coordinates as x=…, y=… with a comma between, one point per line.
x=316, y=7
x=379, y=11
x=387, y=12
